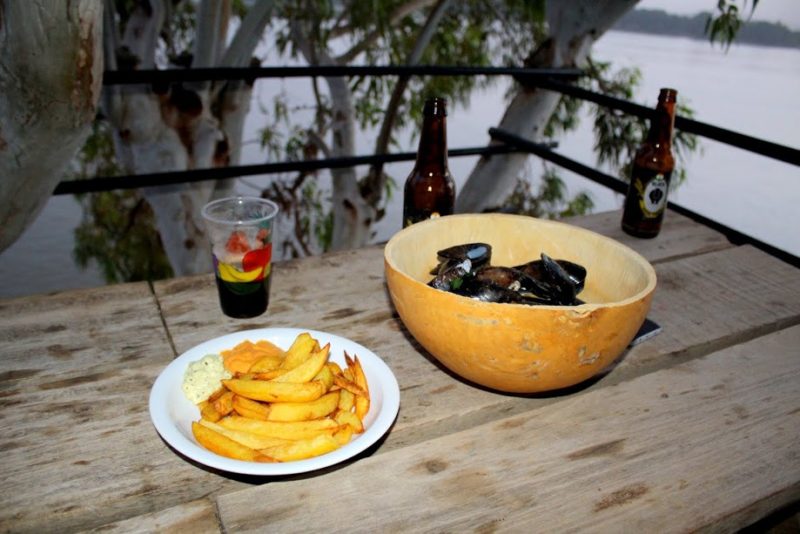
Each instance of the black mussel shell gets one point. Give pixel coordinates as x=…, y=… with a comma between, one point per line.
x=451, y=275
x=488, y=292
x=505, y=277
x=556, y=280
x=478, y=253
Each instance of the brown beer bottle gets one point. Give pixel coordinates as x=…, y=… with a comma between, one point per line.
x=652, y=169
x=429, y=190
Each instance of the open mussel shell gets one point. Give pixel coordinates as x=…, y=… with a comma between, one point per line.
x=559, y=281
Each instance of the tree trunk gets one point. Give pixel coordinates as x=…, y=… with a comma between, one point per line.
x=50, y=81
x=574, y=27
x=188, y=126
x=352, y=216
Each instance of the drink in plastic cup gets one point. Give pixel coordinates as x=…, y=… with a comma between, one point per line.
x=240, y=231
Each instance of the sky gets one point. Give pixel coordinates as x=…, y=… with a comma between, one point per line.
x=784, y=11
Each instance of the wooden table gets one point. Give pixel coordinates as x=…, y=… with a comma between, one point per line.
x=697, y=428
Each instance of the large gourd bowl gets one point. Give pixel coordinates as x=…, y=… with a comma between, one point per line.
x=516, y=347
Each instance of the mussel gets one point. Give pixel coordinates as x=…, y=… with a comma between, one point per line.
x=457, y=262
x=558, y=280
x=466, y=270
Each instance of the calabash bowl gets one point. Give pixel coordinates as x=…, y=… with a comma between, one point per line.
x=515, y=347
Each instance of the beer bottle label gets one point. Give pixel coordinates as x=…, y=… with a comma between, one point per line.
x=652, y=195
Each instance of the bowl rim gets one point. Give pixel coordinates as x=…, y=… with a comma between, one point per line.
x=581, y=308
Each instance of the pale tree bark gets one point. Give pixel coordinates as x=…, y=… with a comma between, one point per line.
x=353, y=213
x=190, y=126
x=573, y=27
x=352, y=216
x=50, y=81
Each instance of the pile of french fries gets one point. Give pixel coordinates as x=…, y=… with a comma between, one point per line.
x=286, y=407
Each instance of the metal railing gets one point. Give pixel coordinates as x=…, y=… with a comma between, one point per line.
x=551, y=79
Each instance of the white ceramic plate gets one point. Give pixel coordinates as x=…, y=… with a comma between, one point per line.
x=172, y=413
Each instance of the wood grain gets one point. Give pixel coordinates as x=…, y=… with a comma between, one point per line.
x=675, y=450
x=78, y=448
x=679, y=237
x=197, y=517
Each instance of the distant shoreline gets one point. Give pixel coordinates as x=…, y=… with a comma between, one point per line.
x=659, y=22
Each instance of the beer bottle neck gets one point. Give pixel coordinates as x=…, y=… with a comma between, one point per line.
x=662, y=123
x=432, y=149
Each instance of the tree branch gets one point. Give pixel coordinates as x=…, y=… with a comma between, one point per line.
x=397, y=15
x=142, y=31
x=249, y=34
x=110, y=96
x=399, y=12
x=208, y=34
x=240, y=51
x=376, y=180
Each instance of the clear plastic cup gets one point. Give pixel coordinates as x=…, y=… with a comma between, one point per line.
x=240, y=230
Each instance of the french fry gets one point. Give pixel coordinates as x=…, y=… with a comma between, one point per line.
x=302, y=449
x=299, y=351
x=250, y=408
x=267, y=375
x=248, y=439
x=352, y=387
x=326, y=377
x=224, y=403
x=278, y=429
x=268, y=362
x=224, y=446
x=343, y=435
x=303, y=411
x=362, y=406
x=362, y=401
x=335, y=368
x=346, y=400
x=307, y=369
x=208, y=413
x=217, y=394
x=350, y=419
x=270, y=391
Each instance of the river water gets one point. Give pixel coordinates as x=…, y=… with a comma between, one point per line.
x=749, y=89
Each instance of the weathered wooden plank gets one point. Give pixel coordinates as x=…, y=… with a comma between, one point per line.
x=78, y=447
x=679, y=237
x=711, y=443
x=715, y=300
x=197, y=517
x=344, y=291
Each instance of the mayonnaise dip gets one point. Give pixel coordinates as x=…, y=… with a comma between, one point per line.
x=202, y=378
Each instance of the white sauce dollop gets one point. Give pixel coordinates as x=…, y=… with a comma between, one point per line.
x=202, y=378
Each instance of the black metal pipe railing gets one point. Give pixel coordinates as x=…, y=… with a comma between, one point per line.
x=753, y=144
x=544, y=152
x=156, y=76
x=134, y=181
